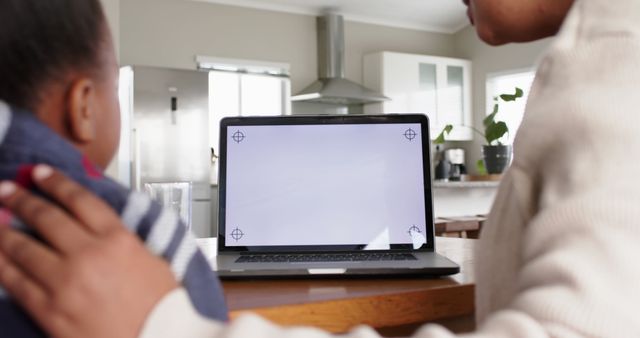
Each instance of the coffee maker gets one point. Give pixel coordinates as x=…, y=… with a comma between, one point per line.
x=456, y=157
x=451, y=165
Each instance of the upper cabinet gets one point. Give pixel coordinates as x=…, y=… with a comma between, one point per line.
x=436, y=86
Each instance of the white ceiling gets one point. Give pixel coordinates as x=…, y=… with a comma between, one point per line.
x=444, y=16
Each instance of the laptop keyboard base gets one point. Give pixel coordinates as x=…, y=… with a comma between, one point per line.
x=325, y=257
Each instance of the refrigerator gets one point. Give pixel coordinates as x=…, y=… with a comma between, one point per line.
x=165, y=135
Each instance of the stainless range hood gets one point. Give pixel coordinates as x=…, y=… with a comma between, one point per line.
x=333, y=87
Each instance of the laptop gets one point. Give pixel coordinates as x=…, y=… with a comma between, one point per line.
x=326, y=196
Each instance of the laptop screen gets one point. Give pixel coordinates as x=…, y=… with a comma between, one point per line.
x=316, y=185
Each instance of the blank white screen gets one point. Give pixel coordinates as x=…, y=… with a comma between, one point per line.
x=325, y=185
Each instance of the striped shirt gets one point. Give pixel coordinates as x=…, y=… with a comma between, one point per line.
x=26, y=142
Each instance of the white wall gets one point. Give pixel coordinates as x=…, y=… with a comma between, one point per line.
x=489, y=60
x=169, y=33
x=112, y=11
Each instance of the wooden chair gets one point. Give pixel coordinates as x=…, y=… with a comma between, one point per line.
x=460, y=227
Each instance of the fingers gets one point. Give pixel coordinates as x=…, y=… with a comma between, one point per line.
x=91, y=211
x=53, y=224
x=24, y=290
x=5, y=217
x=33, y=258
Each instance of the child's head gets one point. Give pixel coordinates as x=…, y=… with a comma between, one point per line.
x=57, y=60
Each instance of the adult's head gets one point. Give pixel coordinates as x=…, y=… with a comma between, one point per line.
x=503, y=21
x=57, y=60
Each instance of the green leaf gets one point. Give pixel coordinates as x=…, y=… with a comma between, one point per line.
x=447, y=130
x=495, y=131
x=519, y=92
x=508, y=97
x=496, y=108
x=491, y=117
x=481, y=168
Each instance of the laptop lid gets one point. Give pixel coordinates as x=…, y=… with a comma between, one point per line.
x=325, y=183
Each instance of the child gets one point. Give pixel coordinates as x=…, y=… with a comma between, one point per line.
x=59, y=106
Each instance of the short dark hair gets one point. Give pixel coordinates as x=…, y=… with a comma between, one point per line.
x=42, y=40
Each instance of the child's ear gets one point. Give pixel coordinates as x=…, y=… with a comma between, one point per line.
x=81, y=111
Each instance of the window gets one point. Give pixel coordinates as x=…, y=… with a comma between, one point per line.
x=244, y=88
x=510, y=112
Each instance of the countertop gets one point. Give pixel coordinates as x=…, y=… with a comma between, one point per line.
x=465, y=184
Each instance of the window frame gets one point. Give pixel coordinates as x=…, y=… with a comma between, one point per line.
x=490, y=93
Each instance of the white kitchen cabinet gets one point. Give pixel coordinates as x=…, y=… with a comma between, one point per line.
x=438, y=87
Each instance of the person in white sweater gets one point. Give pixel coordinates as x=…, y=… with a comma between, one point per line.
x=558, y=256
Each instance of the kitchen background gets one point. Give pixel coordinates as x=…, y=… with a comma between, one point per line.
x=281, y=36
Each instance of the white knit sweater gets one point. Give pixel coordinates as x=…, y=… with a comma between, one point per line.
x=560, y=255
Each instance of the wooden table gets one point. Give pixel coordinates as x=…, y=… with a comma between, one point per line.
x=337, y=305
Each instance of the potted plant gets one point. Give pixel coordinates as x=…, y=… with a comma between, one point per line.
x=496, y=156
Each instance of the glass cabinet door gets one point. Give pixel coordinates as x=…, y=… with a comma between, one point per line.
x=426, y=99
x=452, y=99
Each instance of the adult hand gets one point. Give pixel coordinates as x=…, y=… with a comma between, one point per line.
x=93, y=279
